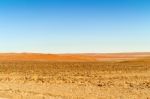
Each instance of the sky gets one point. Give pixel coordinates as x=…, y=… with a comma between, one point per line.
x=74, y=26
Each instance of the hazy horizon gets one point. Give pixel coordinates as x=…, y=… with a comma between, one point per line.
x=74, y=26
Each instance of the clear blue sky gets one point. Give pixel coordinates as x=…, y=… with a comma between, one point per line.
x=72, y=26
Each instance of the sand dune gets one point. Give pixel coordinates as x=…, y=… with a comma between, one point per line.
x=40, y=76
x=70, y=57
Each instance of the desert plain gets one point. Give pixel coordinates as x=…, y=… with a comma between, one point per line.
x=75, y=76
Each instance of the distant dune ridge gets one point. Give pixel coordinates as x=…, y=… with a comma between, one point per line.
x=71, y=57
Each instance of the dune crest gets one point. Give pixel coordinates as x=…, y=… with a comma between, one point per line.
x=70, y=57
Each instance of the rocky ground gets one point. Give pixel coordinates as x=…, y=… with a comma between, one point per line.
x=75, y=80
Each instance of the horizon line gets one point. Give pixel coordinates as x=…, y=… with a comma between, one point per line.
x=125, y=52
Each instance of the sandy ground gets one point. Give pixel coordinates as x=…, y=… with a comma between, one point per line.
x=46, y=80
x=113, y=86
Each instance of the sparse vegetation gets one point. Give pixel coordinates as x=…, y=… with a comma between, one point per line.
x=46, y=79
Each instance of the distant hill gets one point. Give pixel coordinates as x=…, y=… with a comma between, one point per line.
x=71, y=57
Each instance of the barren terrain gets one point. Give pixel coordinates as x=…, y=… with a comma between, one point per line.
x=76, y=76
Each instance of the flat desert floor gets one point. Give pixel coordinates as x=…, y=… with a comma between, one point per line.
x=125, y=79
